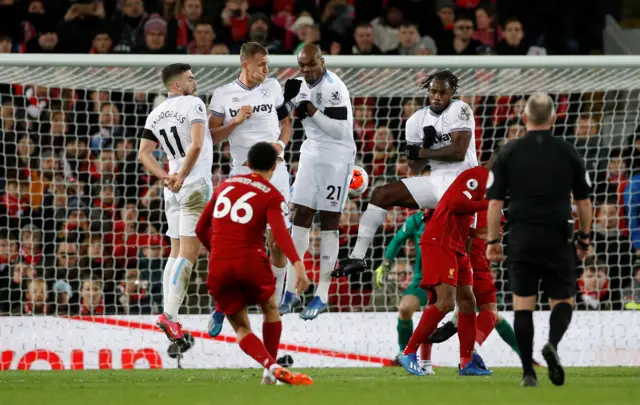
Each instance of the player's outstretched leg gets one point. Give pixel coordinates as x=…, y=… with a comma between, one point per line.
x=278, y=266
x=394, y=194
x=300, y=236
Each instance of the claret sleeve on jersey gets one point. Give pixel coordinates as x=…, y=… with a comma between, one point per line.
x=413, y=130
x=333, y=115
x=467, y=195
x=203, y=228
x=197, y=113
x=276, y=211
x=216, y=106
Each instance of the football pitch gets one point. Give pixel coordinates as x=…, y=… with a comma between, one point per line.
x=600, y=386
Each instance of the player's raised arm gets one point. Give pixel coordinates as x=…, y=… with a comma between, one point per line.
x=145, y=155
x=413, y=135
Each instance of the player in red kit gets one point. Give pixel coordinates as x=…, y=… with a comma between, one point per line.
x=446, y=270
x=232, y=227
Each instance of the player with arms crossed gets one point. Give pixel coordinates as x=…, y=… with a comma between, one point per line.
x=447, y=272
x=179, y=125
x=441, y=135
x=414, y=297
x=232, y=227
x=249, y=110
x=325, y=168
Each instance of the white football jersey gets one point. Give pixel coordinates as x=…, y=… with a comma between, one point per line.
x=457, y=117
x=263, y=126
x=171, y=122
x=328, y=91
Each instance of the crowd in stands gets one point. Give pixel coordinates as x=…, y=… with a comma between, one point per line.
x=81, y=223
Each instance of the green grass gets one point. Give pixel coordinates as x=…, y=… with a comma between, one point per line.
x=598, y=386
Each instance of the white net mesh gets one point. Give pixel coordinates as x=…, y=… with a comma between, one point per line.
x=76, y=204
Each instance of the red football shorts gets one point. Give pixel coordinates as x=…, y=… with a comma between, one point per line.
x=484, y=288
x=443, y=265
x=239, y=282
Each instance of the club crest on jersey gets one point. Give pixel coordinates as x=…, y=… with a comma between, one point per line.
x=265, y=93
x=335, y=98
x=465, y=113
x=452, y=272
x=268, y=108
x=235, y=100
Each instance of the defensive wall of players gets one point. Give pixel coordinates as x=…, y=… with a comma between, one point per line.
x=332, y=340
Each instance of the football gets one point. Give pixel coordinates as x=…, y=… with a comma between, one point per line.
x=359, y=182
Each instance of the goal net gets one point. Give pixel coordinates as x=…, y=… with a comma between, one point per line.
x=82, y=225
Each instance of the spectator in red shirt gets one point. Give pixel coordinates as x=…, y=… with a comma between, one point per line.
x=182, y=29
x=203, y=37
x=36, y=298
x=102, y=43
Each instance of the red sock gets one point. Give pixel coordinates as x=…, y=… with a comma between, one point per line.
x=428, y=323
x=255, y=348
x=271, y=332
x=425, y=351
x=486, y=323
x=467, y=336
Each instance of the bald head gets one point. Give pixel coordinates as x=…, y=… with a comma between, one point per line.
x=311, y=63
x=539, y=111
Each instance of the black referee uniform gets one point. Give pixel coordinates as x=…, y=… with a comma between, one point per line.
x=538, y=173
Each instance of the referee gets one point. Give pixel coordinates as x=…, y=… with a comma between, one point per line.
x=538, y=173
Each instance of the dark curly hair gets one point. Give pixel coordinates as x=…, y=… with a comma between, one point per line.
x=444, y=75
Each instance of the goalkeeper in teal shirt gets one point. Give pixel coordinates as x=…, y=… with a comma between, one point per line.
x=413, y=297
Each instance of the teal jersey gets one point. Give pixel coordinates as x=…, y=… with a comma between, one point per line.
x=412, y=228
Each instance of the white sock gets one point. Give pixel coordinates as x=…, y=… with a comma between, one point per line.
x=166, y=279
x=454, y=319
x=329, y=246
x=280, y=273
x=370, y=221
x=300, y=238
x=178, y=285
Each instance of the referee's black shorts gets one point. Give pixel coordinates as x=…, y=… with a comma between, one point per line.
x=538, y=255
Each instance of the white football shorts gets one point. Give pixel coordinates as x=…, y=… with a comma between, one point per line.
x=428, y=190
x=280, y=181
x=183, y=208
x=321, y=184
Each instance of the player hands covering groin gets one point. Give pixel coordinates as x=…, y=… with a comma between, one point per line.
x=446, y=270
x=232, y=227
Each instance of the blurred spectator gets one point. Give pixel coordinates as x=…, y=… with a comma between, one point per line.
x=62, y=295
x=337, y=17
x=593, y=284
x=410, y=42
x=513, y=41
x=80, y=25
x=102, y=42
x=181, y=30
x=155, y=37
x=133, y=296
x=232, y=23
x=31, y=245
x=462, y=42
x=385, y=28
x=220, y=49
x=92, y=297
x=204, y=35
x=363, y=38
x=46, y=40
x=109, y=127
x=632, y=293
x=486, y=25
x=128, y=26
x=13, y=282
x=36, y=298
x=259, y=31
x=307, y=34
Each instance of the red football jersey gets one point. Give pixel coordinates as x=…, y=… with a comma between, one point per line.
x=453, y=217
x=234, y=221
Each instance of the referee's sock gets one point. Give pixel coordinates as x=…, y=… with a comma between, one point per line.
x=523, y=326
x=559, y=322
x=370, y=221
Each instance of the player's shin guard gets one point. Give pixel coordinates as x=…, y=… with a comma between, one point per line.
x=559, y=322
x=428, y=323
x=467, y=336
x=328, y=255
x=370, y=221
x=166, y=279
x=279, y=273
x=179, y=281
x=253, y=347
x=271, y=332
x=523, y=326
x=486, y=322
x=300, y=238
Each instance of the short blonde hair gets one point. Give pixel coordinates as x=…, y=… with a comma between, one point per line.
x=539, y=109
x=251, y=49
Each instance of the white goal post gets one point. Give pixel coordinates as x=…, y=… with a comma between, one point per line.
x=72, y=212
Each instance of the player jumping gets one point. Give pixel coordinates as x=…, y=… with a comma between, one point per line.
x=485, y=292
x=179, y=125
x=233, y=226
x=413, y=297
x=249, y=110
x=447, y=272
x=325, y=168
x=441, y=134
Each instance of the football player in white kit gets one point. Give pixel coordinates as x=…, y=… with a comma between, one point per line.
x=249, y=110
x=179, y=125
x=324, y=172
x=441, y=135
